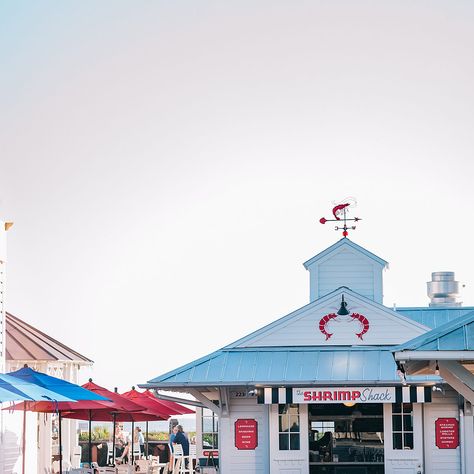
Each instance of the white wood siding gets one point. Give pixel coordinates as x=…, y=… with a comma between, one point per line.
x=235, y=461
x=441, y=461
x=385, y=327
x=346, y=267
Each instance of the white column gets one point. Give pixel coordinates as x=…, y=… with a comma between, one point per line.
x=4, y=226
x=44, y=442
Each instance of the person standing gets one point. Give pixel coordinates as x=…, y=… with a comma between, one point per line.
x=182, y=439
x=174, y=430
x=140, y=439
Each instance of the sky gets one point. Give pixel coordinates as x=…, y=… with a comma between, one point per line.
x=166, y=164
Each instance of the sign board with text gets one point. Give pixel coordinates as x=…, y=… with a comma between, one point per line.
x=447, y=433
x=246, y=433
x=210, y=453
x=344, y=394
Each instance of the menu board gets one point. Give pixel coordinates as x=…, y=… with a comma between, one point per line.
x=447, y=433
x=246, y=433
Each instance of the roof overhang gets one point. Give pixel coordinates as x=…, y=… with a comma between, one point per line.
x=179, y=387
x=434, y=355
x=455, y=367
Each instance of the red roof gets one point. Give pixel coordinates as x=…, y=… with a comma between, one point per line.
x=24, y=342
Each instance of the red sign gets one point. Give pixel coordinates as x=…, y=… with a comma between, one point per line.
x=246, y=434
x=210, y=454
x=447, y=433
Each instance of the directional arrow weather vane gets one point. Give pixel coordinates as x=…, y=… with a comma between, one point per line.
x=340, y=212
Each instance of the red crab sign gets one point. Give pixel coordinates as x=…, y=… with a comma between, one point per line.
x=343, y=316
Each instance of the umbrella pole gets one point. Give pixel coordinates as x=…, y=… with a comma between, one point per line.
x=130, y=452
x=23, y=440
x=90, y=437
x=146, y=445
x=60, y=446
x=114, y=416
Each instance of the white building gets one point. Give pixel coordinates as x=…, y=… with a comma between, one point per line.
x=319, y=391
x=28, y=345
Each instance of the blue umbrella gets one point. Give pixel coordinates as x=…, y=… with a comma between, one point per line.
x=12, y=388
x=10, y=396
x=67, y=389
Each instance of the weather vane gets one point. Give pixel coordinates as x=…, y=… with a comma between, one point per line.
x=340, y=212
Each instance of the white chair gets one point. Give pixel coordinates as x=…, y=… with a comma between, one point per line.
x=136, y=451
x=76, y=457
x=160, y=468
x=178, y=450
x=82, y=470
x=179, y=455
x=155, y=466
x=192, y=459
x=110, y=452
x=192, y=451
x=125, y=469
x=177, y=464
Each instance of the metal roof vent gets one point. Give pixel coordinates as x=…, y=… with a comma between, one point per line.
x=443, y=290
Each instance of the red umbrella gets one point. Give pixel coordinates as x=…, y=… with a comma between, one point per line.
x=107, y=414
x=151, y=404
x=119, y=408
x=117, y=402
x=175, y=408
x=148, y=400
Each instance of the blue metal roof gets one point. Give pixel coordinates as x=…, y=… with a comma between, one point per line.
x=339, y=243
x=455, y=335
x=290, y=365
x=435, y=317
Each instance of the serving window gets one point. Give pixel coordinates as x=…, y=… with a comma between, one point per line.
x=346, y=438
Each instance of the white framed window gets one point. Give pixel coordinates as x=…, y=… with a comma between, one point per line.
x=402, y=426
x=289, y=427
x=210, y=429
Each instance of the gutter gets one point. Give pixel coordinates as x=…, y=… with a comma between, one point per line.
x=434, y=355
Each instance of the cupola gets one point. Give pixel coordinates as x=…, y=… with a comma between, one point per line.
x=346, y=264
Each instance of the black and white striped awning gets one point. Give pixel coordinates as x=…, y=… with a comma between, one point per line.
x=413, y=394
x=283, y=395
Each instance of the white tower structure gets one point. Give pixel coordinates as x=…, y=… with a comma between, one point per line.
x=4, y=226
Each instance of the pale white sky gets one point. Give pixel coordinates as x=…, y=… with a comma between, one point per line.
x=166, y=163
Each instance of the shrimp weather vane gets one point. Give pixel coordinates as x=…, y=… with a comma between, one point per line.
x=340, y=212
